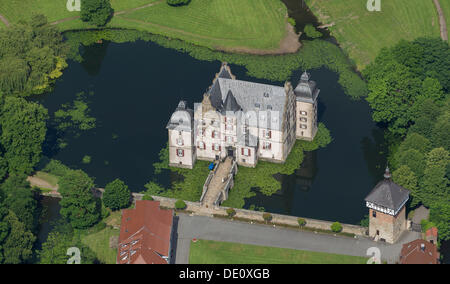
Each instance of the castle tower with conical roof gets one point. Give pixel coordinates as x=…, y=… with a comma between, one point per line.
x=386, y=203
x=306, y=94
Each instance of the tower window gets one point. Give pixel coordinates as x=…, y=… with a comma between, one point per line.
x=374, y=214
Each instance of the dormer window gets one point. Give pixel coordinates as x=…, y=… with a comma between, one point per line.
x=269, y=107
x=257, y=105
x=266, y=95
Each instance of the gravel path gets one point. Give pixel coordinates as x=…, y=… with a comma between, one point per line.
x=4, y=20
x=442, y=23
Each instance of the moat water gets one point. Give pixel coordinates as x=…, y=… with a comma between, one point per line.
x=132, y=89
x=136, y=86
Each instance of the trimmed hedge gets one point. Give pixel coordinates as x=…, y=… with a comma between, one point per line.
x=336, y=227
x=180, y=204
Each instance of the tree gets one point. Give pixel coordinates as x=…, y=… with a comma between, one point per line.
x=180, y=205
x=23, y=129
x=54, y=250
x=116, y=195
x=231, y=212
x=17, y=246
x=417, y=142
x=440, y=134
x=434, y=183
x=78, y=204
x=406, y=178
x=413, y=159
x=301, y=222
x=19, y=198
x=32, y=56
x=96, y=12
x=267, y=217
x=336, y=227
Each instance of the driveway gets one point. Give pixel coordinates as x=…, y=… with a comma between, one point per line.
x=207, y=228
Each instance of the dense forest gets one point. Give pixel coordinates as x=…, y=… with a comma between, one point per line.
x=32, y=55
x=409, y=88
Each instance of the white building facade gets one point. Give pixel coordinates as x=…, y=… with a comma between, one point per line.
x=248, y=121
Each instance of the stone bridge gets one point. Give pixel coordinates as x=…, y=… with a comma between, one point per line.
x=218, y=183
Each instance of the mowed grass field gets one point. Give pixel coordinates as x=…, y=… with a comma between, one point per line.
x=362, y=33
x=99, y=243
x=252, y=24
x=212, y=252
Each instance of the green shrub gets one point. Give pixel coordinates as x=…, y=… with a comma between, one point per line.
x=178, y=2
x=291, y=21
x=426, y=225
x=86, y=159
x=311, y=31
x=231, y=212
x=301, y=222
x=147, y=197
x=267, y=217
x=365, y=222
x=336, y=227
x=180, y=205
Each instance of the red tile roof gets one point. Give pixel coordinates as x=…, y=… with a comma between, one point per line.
x=145, y=234
x=433, y=231
x=419, y=252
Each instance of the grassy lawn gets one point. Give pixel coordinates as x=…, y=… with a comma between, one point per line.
x=99, y=243
x=211, y=252
x=51, y=179
x=258, y=24
x=362, y=33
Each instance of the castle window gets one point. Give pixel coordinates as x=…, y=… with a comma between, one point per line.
x=229, y=139
x=303, y=112
x=180, y=152
x=303, y=119
x=246, y=152
x=267, y=133
x=266, y=95
x=374, y=214
x=216, y=147
x=257, y=105
x=201, y=145
x=180, y=142
x=267, y=146
x=303, y=126
x=229, y=127
x=215, y=134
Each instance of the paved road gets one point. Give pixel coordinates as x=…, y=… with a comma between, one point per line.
x=200, y=227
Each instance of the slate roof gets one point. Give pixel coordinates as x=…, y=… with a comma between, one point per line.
x=306, y=90
x=230, y=103
x=182, y=118
x=388, y=194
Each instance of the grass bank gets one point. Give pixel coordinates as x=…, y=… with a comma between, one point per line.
x=212, y=252
x=253, y=24
x=362, y=33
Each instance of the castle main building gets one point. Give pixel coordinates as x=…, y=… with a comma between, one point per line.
x=245, y=120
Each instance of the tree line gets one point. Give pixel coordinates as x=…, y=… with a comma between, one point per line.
x=409, y=88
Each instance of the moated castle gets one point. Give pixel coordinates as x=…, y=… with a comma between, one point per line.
x=245, y=120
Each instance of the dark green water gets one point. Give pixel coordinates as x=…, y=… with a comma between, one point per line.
x=136, y=86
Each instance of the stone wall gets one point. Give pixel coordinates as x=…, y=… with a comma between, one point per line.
x=257, y=216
